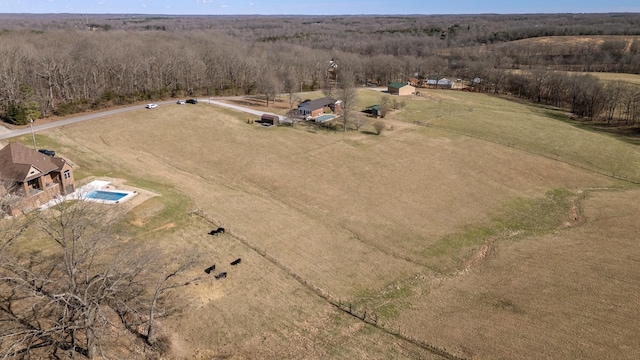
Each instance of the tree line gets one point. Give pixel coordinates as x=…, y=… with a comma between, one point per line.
x=584, y=96
x=62, y=64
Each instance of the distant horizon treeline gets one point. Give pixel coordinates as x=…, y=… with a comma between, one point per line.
x=63, y=64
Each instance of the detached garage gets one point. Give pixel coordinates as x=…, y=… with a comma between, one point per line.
x=401, y=89
x=269, y=119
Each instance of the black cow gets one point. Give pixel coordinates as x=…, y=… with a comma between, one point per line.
x=217, y=231
x=236, y=261
x=210, y=269
x=221, y=275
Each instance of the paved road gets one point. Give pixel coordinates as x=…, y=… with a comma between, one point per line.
x=6, y=133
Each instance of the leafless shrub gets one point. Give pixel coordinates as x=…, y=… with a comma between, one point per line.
x=378, y=126
x=398, y=104
x=385, y=105
x=359, y=121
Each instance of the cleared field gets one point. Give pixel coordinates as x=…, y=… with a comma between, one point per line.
x=630, y=78
x=564, y=41
x=605, y=76
x=447, y=233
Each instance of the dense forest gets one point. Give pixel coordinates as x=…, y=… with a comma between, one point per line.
x=62, y=64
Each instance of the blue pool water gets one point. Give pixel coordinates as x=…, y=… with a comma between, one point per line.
x=105, y=195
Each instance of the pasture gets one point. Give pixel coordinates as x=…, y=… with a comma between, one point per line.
x=629, y=78
x=475, y=225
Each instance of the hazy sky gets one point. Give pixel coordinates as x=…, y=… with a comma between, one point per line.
x=316, y=7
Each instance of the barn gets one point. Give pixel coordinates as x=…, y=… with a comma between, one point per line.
x=401, y=89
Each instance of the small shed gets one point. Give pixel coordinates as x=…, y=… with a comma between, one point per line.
x=269, y=119
x=374, y=110
x=401, y=89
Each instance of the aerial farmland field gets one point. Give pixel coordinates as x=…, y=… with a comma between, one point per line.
x=472, y=227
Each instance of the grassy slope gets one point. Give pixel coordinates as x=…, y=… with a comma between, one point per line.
x=629, y=78
x=382, y=221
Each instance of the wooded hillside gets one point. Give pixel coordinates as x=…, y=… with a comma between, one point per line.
x=61, y=64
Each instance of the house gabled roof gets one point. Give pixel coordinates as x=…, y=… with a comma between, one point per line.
x=397, y=85
x=19, y=163
x=317, y=103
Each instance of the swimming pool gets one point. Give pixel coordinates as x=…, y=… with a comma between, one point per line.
x=325, y=117
x=108, y=196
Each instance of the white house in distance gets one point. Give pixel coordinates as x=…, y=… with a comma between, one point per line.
x=401, y=89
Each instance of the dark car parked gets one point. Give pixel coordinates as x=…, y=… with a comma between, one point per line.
x=47, y=152
x=192, y=101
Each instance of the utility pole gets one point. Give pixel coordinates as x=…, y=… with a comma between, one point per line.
x=33, y=135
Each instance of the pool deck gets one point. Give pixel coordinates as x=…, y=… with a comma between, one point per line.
x=81, y=191
x=325, y=117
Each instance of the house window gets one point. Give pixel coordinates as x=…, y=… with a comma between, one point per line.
x=67, y=174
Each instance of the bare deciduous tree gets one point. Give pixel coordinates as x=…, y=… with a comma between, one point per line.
x=348, y=98
x=173, y=280
x=269, y=86
x=385, y=105
x=359, y=121
x=60, y=300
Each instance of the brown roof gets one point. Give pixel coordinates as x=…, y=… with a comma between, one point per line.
x=16, y=160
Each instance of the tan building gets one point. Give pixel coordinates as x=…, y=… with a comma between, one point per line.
x=29, y=178
x=401, y=89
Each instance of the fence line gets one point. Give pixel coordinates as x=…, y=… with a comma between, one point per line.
x=365, y=316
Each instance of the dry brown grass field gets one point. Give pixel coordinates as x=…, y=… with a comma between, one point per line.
x=564, y=41
x=475, y=225
x=630, y=78
x=608, y=76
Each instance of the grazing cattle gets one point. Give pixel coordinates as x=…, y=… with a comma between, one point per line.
x=221, y=275
x=217, y=231
x=236, y=261
x=210, y=269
